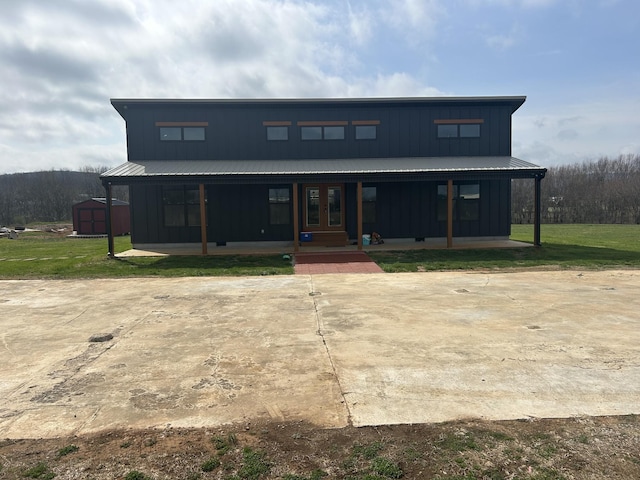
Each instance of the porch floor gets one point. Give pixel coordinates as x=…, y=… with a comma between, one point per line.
x=260, y=249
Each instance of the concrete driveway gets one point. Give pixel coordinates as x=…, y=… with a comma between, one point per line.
x=330, y=349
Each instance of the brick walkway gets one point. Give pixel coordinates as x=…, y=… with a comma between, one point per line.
x=334, y=262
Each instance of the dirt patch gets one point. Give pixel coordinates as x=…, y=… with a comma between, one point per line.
x=577, y=448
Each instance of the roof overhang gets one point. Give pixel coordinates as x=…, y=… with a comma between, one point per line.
x=123, y=104
x=320, y=170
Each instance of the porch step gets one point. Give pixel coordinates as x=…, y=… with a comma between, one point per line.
x=327, y=239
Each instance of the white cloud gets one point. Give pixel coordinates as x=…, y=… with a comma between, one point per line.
x=577, y=132
x=417, y=20
x=361, y=25
x=62, y=61
x=516, y=3
x=504, y=41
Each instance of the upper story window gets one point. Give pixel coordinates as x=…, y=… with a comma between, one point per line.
x=193, y=133
x=333, y=133
x=447, y=131
x=311, y=133
x=366, y=129
x=322, y=133
x=182, y=131
x=322, y=130
x=459, y=128
x=170, y=133
x=277, y=130
x=277, y=133
x=366, y=132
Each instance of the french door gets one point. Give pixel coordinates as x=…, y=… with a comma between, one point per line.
x=323, y=207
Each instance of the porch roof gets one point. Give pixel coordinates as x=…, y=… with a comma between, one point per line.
x=352, y=169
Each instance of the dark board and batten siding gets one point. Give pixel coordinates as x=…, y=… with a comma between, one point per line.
x=239, y=134
x=238, y=213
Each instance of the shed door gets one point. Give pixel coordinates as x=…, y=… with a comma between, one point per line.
x=100, y=221
x=92, y=221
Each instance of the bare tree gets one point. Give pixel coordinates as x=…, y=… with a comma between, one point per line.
x=602, y=191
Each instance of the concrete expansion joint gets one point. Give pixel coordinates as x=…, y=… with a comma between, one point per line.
x=326, y=348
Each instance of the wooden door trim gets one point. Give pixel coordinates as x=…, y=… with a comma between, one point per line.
x=324, y=217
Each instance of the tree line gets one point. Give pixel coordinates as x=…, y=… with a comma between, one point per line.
x=48, y=196
x=601, y=191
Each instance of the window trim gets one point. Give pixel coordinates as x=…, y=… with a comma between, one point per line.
x=274, y=128
x=185, y=204
x=365, y=138
x=193, y=129
x=279, y=202
x=322, y=124
x=458, y=202
x=372, y=203
x=164, y=132
x=457, y=122
x=182, y=126
x=323, y=134
x=468, y=125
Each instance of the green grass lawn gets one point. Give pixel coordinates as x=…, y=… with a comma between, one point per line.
x=563, y=246
x=41, y=255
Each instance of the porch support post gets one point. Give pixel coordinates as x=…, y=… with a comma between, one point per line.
x=296, y=229
x=449, y=213
x=111, y=252
x=203, y=220
x=537, y=211
x=359, y=215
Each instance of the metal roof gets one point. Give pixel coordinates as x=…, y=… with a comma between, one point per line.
x=231, y=101
x=122, y=104
x=378, y=168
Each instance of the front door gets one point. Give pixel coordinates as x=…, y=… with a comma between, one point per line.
x=324, y=207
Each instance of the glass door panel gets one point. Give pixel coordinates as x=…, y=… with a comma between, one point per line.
x=313, y=207
x=334, y=200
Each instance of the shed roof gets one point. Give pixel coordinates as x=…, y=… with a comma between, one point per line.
x=114, y=201
x=364, y=169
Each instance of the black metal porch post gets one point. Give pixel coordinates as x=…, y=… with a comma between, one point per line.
x=537, y=210
x=111, y=252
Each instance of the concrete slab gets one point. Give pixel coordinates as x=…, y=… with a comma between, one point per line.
x=436, y=347
x=330, y=349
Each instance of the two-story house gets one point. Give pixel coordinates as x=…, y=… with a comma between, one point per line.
x=319, y=171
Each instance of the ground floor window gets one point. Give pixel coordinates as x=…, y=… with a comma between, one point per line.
x=369, y=197
x=181, y=206
x=466, y=202
x=279, y=206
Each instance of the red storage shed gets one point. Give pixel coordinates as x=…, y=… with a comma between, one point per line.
x=90, y=217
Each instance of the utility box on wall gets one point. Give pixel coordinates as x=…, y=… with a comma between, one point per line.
x=90, y=217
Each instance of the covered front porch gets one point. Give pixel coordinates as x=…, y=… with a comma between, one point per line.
x=398, y=177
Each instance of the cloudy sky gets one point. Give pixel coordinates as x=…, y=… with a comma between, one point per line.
x=577, y=61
